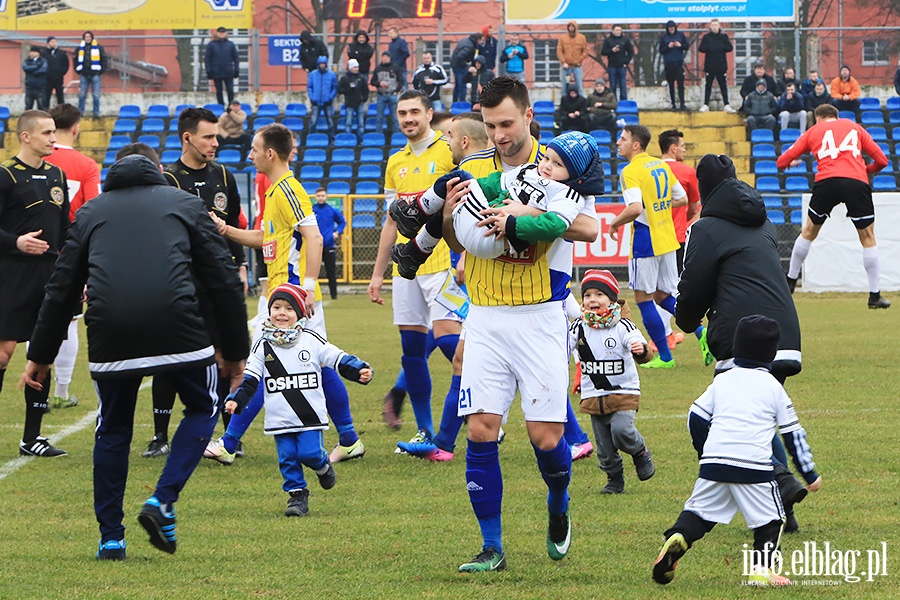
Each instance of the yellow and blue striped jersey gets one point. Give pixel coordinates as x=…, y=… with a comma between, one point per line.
x=287, y=208
x=484, y=162
x=411, y=176
x=653, y=232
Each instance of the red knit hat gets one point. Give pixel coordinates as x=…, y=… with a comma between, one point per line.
x=295, y=296
x=603, y=280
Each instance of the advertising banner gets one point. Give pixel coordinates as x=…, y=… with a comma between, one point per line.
x=605, y=252
x=646, y=11
x=99, y=15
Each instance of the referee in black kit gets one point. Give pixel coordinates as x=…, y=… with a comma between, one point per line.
x=34, y=217
x=140, y=246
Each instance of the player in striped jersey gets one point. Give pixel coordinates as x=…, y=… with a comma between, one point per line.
x=292, y=247
x=650, y=190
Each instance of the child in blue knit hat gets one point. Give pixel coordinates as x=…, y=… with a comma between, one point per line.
x=569, y=173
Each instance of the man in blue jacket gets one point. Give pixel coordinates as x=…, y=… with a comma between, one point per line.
x=673, y=45
x=322, y=89
x=514, y=55
x=35, y=67
x=331, y=225
x=399, y=51
x=792, y=107
x=222, y=64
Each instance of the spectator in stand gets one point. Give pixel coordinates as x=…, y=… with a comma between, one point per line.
x=514, y=55
x=808, y=86
x=460, y=61
x=361, y=50
x=331, y=225
x=819, y=97
x=601, y=107
x=354, y=86
x=715, y=45
x=90, y=64
x=35, y=67
x=845, y=91
x=618, y=51
x=429, y=78
x=673, y=45
x=897, y=81
x=572, y=112
x=57, y=67
x=311, y=49
x=760, y=107
x=387, y=79
x=222, y=64
x=231, y=129
x=321, y=90
x=792, y=107
x=571, y=50
x=441, y=120
x=399, y=51
x=749, y=85
x=478, y=77
x=787, y=76
x=488, y=47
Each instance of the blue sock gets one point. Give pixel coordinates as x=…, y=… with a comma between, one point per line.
x=556, y=469
x=447, y=344
x=778, y=452
x=415, y=364
x=451, y=422
x=400, y=384
x=485, y=484
x=573, y=432
x=430, y=343
x=337, y=402
x=669, y=305
x=698, y=333
x=655, y=329
x=239, y=423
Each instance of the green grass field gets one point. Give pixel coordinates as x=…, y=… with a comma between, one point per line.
x=398, y=527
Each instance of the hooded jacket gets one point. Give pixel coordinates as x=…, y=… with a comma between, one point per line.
x=35, y=72
x=839, y=87
x=310, y=51
x=355, y=88
x=321, y=85
x=814, y=101
x=572, y=48
x=464, y=53
x=361, y=52
x=568, y=104
x=389, y=73
x=139, y=247
x=221, y=60
x=749, y=84
x=617, y=60
x=481, y=77
x=732, y=270
x=488, y=48
x=716, y=47
x=760, y=105
x=609, y=100
x=673, y=54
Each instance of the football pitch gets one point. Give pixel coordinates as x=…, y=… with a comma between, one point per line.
x=398, y=527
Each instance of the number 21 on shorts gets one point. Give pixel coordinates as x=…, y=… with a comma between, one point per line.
x=465, y=398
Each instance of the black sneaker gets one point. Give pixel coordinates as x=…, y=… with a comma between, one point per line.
x=158, y=446
x=673, y=549
x=615, y=484
x=160, y=527
x=876, y=301
x=559, y=535
x=328, y=478
x=111, y=550
x=790, y=522
x=408, y=216
x=40, y=446
x=298, y=504
x=408, y=258
x=239, y=451
x=643, y=464
x=792, y=283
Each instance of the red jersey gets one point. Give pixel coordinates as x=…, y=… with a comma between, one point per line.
x=838, y=146
x=82, y=175
x=262, y=186
x=687, y=177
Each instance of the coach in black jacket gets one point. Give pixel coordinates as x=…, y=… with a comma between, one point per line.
x=732, y=268
x=138, y=247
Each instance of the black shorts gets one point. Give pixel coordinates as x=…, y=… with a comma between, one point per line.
x=856, y=195
x=22, y=284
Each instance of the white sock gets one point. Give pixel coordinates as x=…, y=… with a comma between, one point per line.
x=873, y=268
x=666, y=318
x=425, y=241
x=798, y=255
x=430, y=202
x=65, y=361
x=262, y=307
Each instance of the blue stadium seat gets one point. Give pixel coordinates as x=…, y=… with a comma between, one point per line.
x=796, y=217
x=869, y=104
x=768, y=184
x=173, y=125
x=230, y=157
x=546, y=136
x=153, y=126
x=182, y=107
x=372, y=110
x=765, y=167
x=340, y=172
x=158, y=111
x=296, y=110
x=773, y=202
x=604, y=152
x=314, y=155
x=310, y=187
x=763, y=151
x=216, y=109
x=619, y=169
x=545, y=121
x=311, y=172
x=125, y=126
x=800, y=169
x=369, y=171
x=110, y=157
x=343, y=155
x=373, y=139
x=248, y=110
x=129, y=111
x=788, y=136
x=150, y=140
x=602, y=136
x=365, y=205
x=367, y=187
x=295, y=124
x=776, y=216
x=885, y=148
x=338, y=188
x=795, y=202
x=268, y=110
x=627, y=120
x=459, y=107
x=847, y=114
x=893, y=103
x=345, y=140
x=170, y=156
x=884, y=183
x=627, y=107
x=544, y=107
x=371, y=155
x=117, y=141
x=2, y=127
x=172, y=142
x=796, y=184
x=607, y=186
x=260, y=122
x=872, y=117
x=317, y=140
x=394, y=150
x=4, y=113
x=895, y=134
x=879, y=134
x=398, y=139
x=362, y=222
x=762, y=135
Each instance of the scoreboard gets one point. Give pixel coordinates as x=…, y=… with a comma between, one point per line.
x=382, y=9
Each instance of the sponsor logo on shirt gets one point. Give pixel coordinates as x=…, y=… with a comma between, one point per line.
x=603, y=367
x=270, y=251
x=301, y=381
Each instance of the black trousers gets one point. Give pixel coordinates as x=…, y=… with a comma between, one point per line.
x=228, y=83
x=329, y=260
x=675, y=74
x=34, y=96
x=244, y=140
x=54, y=87
x=720, y=78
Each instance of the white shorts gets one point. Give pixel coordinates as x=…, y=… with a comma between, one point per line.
x=654, y=273
x=511, y=348
x=465, y=226
x=415, y=301
x=759, y=503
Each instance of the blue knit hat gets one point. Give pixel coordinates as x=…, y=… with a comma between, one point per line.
x=577, y=151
